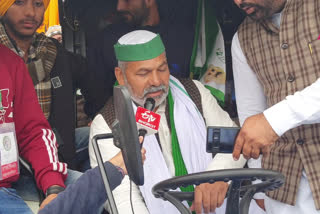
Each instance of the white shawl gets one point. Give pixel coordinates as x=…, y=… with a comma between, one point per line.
x=191, y=133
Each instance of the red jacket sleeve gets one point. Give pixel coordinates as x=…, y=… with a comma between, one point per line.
x=36, y=141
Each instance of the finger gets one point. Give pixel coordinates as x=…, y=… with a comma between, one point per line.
x=238, y=147
x=255, y=152
x=222, y=194
x=143, y=154
x=214, y=199
x=141, y=139
x=47, y=200
x=192, y=207
x=246, y=151
x=143, y=151
x=206, y=201
x=221, y=197
x=197, y=200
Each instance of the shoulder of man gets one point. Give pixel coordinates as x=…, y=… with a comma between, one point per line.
x=12, y=60
x=108, y=112
x=246, y=26
x=248, y=21
x=6, y=53
x=47, y=41
x=193, y=92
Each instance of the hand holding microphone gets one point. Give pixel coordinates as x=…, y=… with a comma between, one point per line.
x=118, y=161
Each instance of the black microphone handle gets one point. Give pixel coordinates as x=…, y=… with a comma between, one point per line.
x=149, y=104
x=142, y=133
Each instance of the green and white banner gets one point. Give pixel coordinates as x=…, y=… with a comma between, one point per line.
x=208, y=62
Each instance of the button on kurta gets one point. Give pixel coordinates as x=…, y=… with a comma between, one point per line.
x=291, y=78
x=284, y=46
x=300, y=141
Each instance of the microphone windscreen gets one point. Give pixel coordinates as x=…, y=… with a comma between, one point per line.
x=150, y=104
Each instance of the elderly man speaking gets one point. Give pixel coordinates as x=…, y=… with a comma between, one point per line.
x=186, y=108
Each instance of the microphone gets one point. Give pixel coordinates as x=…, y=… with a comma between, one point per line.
x=150, y=104
x=147, y=121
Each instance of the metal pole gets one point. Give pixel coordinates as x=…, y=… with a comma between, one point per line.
x=103, y=171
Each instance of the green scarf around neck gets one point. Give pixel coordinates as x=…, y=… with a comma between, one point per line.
x=179, y=165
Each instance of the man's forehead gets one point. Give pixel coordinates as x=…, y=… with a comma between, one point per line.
x=9, y=3
x=45, y=2
x=150, y=64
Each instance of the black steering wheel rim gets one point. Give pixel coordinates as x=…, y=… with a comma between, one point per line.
x=270, y=180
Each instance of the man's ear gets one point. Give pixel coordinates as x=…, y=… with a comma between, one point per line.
x=119, y=75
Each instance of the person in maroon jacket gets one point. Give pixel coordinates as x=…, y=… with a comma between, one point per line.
x=24, y=132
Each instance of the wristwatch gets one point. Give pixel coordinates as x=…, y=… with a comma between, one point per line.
x=54, y=190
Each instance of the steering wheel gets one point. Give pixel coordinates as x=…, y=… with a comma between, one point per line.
x=271, y=180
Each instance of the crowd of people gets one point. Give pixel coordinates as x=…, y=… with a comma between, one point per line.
x=275, y=56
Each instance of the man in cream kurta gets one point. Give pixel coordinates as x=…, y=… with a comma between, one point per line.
x=149, y=77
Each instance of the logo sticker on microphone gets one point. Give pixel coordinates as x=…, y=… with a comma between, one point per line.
x=148, y=118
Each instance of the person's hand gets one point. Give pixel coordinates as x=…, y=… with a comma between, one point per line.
x=119, y=162
x=255, y=137
x=209, y=196
x=260, y=203
x=47, y=200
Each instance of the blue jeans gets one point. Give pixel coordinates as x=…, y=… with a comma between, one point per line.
x=12, y=203
x=12, y=199
x=27, y=189
x=81, y=143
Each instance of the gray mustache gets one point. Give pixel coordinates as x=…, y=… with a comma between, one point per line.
x=154, y=89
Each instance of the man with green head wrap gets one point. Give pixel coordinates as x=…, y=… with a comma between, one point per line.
x=186, y=108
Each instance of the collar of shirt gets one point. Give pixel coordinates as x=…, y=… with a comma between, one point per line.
x=31, y=51
x=162, y=107
x=11, y=43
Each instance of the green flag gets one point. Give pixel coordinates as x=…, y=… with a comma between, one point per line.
x=208, y=58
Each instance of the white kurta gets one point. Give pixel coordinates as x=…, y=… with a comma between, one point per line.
x=301, y=108
x=214, y=116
